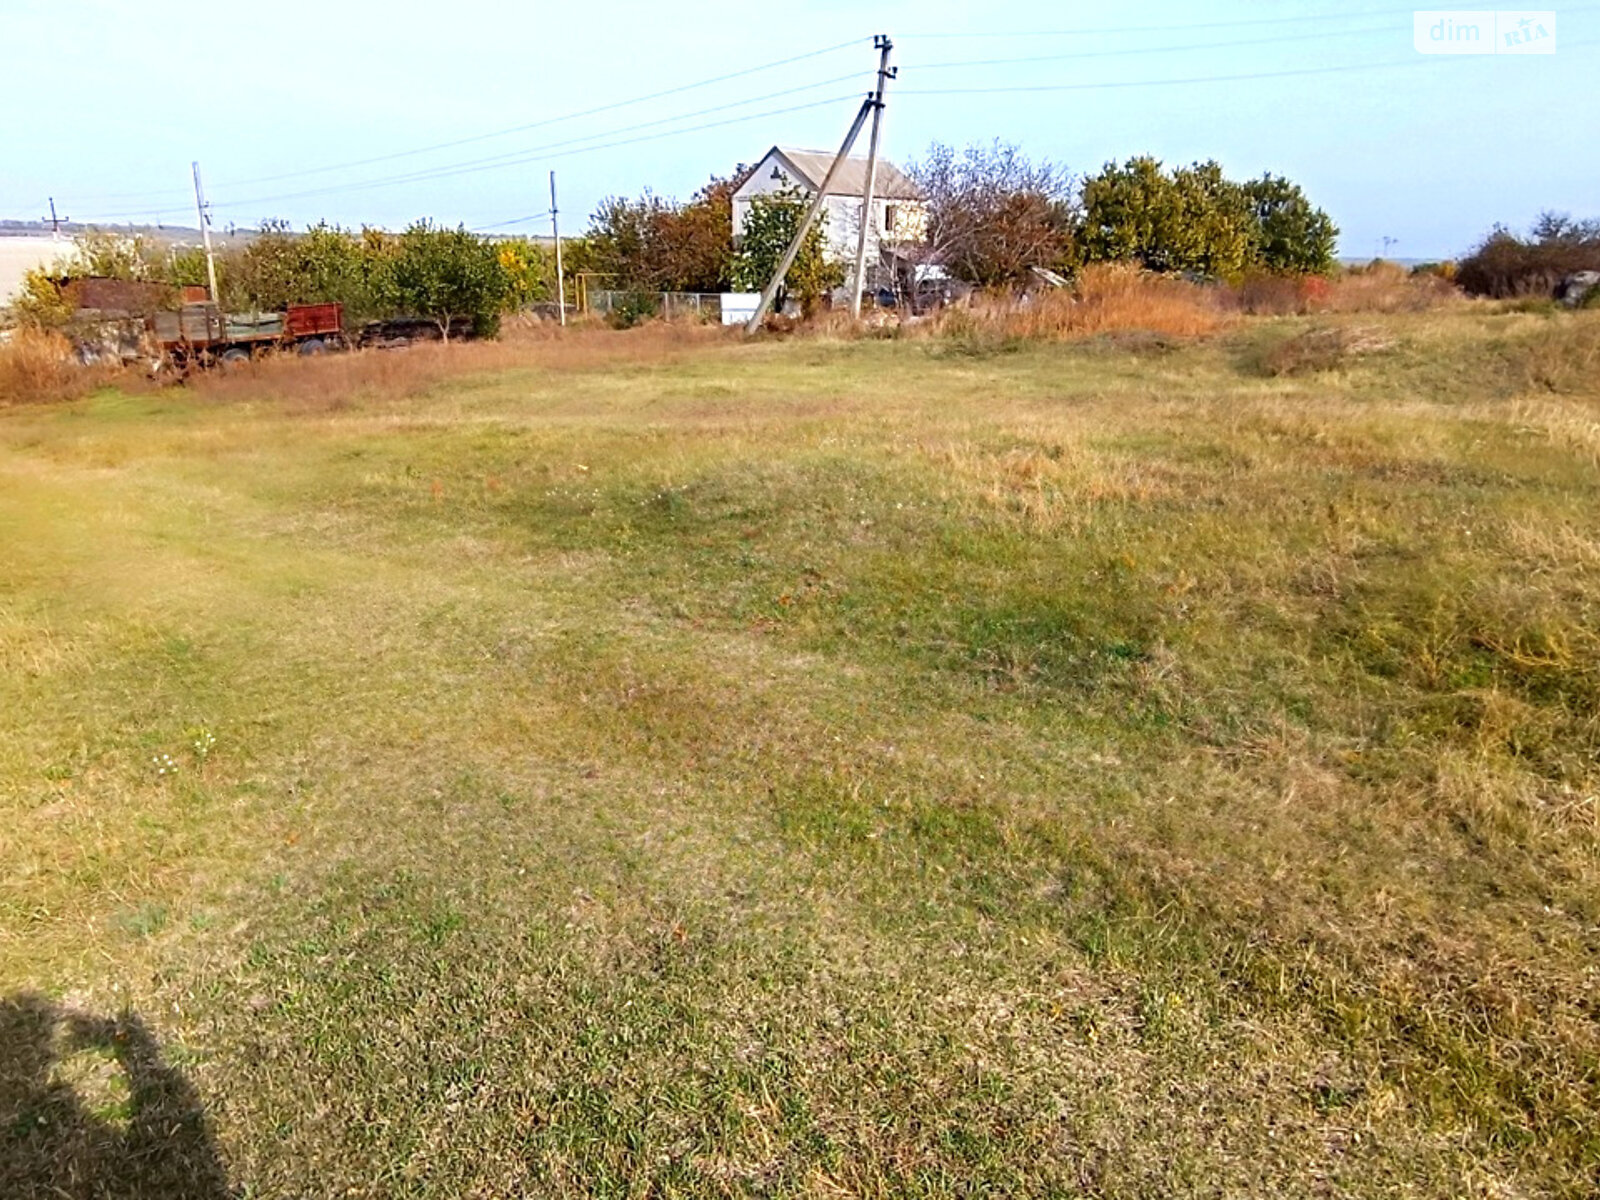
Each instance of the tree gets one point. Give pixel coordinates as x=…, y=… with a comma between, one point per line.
x=769, y=227
x=1292, y=236
x=530, y=272
x=1130, y=212
x=1195, y=219
x=992, y=213
x=654, y=244
x=1215, y=234
x=325, y=264
x=449, y=274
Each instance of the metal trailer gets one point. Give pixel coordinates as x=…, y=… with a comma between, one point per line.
x=200, y=335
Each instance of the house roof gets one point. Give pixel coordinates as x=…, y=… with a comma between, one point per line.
x=811, y=165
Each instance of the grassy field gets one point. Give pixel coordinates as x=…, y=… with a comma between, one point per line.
x=628, y=767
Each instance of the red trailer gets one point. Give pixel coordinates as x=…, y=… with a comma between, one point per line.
x=198, y=335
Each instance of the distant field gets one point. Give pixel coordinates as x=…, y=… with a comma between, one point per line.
x=621, y=767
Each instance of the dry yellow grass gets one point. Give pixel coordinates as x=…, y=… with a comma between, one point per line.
x=37, y=365
x=632, y=765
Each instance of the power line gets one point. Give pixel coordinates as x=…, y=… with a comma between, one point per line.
x=525, y=154
x=510, y=158
x=533, y=154
x=539, y=155
x=515, y=221
x=483, y=137
x=1137, y=50
x=1243, y=22
x=1418, y=61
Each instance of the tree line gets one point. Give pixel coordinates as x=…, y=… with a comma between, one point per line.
x=448, y=276
x=992, y=214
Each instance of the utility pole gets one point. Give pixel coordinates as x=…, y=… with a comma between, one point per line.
x=205, y=234
x=882, y=44
x=55, y=221
x=754, y=323
x=555, y=230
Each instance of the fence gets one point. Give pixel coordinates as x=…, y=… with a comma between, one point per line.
x=699, y=306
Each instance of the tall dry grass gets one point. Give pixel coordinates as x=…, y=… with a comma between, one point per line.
x=38, y=366
x=1379, y=288
x=1108, y=298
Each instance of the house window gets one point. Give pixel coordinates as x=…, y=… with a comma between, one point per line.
x=891, y=213
x=777, y=173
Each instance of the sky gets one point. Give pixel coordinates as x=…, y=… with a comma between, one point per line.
x=382, y=113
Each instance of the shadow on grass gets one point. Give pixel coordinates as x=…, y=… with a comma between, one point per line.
x=89, y=1108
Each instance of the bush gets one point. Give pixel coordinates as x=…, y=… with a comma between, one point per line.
x=635, y=308
x=1505, y=266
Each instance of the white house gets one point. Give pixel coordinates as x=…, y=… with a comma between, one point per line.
x=897, y=209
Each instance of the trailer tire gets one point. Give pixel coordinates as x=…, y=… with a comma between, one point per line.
x=313, y=346
x=233, y=357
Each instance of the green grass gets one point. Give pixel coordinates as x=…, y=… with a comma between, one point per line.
x=815, y=768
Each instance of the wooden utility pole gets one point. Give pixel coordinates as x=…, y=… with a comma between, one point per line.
x=754, y=323
x=205, y=234
x=885, y=73
x=555, y=230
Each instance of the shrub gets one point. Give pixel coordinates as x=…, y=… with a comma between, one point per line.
x=1504, y=266
x=634, y=308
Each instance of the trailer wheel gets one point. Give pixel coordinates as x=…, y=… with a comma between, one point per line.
x=313, y=346
x=233, y=357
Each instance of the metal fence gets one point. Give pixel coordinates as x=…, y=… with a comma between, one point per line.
x=699, y=306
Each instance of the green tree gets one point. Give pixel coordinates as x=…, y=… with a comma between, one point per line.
x=530, y=272
x=1195, y=219
x=1215, y=232
x=325, y=264
x=1130, y=212
x=769, y=227
x=449, y=274
x=1291, y=235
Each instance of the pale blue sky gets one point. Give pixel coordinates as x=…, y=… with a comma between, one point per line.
x=110, y=100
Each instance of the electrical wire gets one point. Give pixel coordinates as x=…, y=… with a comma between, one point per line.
x=1139, y=50
x=515, y=221
x=1418, y=61
x=538, y=156
x=483, y=137
x=1094, y=30
x=530, y=153
x=510, y=158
